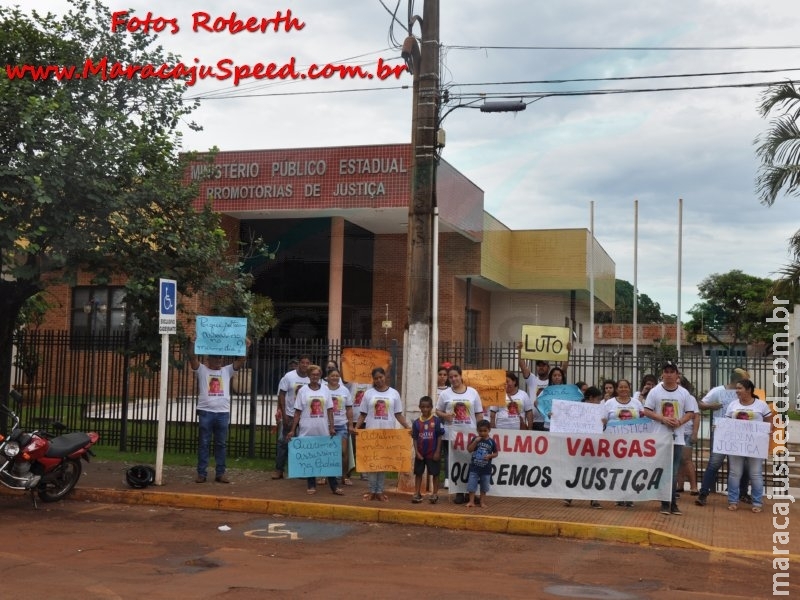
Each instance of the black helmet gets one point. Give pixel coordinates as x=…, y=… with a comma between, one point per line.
x=140, y=476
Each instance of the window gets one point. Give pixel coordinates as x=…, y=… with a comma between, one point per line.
x=98, y=310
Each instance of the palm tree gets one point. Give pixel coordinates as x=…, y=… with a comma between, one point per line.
x=779, y=151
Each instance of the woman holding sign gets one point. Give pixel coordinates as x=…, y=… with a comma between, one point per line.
x=755, y=409
x=458, y=406
x=381, y=408
x=342, y=417
x=311, y=422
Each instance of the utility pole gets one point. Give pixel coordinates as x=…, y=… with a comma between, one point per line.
x=418, y=352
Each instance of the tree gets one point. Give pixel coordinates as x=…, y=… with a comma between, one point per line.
x=779, y=151
x=647, y=310
x=735, y=303
x=91, y=177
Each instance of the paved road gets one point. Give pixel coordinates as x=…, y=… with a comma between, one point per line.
x=87, y=551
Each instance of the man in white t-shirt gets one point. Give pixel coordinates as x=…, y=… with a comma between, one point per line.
x=287, y=391
x=672, y=405
x=213, y=409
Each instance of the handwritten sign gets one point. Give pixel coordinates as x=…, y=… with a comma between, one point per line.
x=383, y=450
x=357, y=363
x=544, y=401
x=741, y=438
x=489, y=383
x=544, y=343
x=576, y=417
x=223, y=336
x=315, y=456
x=642, y=426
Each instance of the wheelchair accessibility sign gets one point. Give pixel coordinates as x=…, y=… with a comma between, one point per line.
x=167, y=306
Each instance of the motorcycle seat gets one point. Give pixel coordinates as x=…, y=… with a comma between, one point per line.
x=66, y=444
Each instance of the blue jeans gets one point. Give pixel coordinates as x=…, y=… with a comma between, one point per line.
x=212, y=424
x=282, y=445
x=736, y=466
x=710, y=475
x=376, y=482
x=475, y=478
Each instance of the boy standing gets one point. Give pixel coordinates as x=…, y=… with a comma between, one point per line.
x=483, y=449
x=427, y=432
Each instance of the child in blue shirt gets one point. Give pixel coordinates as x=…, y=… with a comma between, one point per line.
x=483, y=449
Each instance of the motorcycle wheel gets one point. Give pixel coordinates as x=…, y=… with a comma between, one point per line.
x=59, y=484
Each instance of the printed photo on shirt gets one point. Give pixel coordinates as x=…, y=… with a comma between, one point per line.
x=461, y=413
x=380, y=410
x=316, y=407
x=215, y=386
x=669, y=409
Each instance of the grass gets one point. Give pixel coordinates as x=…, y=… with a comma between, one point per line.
x=106, y=453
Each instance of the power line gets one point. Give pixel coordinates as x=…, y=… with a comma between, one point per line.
x=624, y=48
x=310, y=93
x=627, y=78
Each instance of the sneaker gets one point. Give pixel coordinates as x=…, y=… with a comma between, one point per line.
x=567, y=502
x=595, y=504
x=460, y=499
x=433, y=499
x=673, y=509
x=665, y=508
x=701, y=499
x=222, y=479
x=416, y=499
x=629, y=504
x=200, y=479
x=620, y=504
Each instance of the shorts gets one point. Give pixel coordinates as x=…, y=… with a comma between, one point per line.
x=341, y=431
x=475, y=478
x=433, y=466
x=687, y=438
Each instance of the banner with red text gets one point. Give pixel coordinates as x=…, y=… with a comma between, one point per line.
x=538, y=464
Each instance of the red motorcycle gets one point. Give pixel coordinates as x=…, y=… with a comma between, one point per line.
x=40, y=462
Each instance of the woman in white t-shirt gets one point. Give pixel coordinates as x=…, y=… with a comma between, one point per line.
x=342, y=417
x=749, y=407
x=622, y=407
x=518, y=410
x=313, y=416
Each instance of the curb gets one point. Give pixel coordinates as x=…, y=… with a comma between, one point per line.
x=511, y=525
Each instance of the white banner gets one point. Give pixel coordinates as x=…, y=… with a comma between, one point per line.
x=538, y=464
x=741, y=438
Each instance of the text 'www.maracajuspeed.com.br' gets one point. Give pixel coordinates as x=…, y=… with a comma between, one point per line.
x=223, y=70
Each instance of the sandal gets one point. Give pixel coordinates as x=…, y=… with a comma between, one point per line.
x=695, y=493
x=756, y=509
x=367, y=497
x=382, y=497
x=733, y=507
x=311, y=491
x=347, y=481
x=339, y=492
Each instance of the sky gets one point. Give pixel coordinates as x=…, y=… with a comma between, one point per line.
x=540, y=168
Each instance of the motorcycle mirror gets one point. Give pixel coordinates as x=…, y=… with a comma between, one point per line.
x=16, y=397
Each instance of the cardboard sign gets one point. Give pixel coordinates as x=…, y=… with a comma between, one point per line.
x=489, y=383
x=544, y=401
x=357, y=363
x=741, y=438
x=221, y=336
x=577, y=417
x=383, y=450
x=315, y=456
x=545, y=343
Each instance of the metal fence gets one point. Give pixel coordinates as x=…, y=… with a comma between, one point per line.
x=91, y=383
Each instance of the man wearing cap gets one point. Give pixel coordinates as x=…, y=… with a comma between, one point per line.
x=670, y=392
x=718, y=399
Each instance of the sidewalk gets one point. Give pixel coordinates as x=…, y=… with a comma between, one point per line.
x=711, y=528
